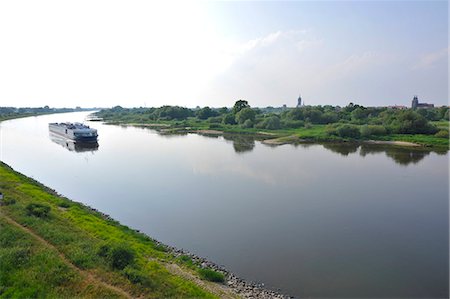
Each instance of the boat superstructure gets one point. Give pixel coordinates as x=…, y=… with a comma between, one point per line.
x=77, y=132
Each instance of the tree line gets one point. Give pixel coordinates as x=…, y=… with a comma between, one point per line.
x=352, y=121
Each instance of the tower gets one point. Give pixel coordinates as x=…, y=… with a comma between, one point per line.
x=299, y=101
x=415, y=102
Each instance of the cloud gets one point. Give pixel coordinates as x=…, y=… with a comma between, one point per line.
x=431, y=59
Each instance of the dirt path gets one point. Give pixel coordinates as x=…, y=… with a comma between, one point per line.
x=88, y=276
x=220, y=290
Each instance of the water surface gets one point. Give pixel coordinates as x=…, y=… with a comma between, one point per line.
x=313, y=220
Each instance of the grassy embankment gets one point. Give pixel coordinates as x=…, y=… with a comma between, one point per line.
x=309, y=133
x=53, y=247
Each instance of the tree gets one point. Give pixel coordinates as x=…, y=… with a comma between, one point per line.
x=239, y=105
x=348, y=131
x=245, y=114
x=205, y=113
x=358, y=114
x=229, y=119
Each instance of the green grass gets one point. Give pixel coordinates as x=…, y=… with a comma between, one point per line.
x=78, y=233
x=211, y=275
x=442, y=124
x=28, y=269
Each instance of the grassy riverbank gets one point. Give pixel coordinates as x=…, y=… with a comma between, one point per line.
x=7, y=113
x=53, y=247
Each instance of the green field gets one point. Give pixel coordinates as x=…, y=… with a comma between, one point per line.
x=53, y=247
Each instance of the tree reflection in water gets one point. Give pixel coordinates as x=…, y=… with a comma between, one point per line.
x=241, y=143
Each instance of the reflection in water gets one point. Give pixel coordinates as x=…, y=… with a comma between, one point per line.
x=74, y=146
x=241, y=143
x=342, y=148
x=402, y=156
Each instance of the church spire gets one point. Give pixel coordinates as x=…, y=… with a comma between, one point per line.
x=299, y=101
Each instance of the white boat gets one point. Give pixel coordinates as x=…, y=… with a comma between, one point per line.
x=77, y=132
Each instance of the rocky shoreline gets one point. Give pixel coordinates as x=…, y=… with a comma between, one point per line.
x=242, y=287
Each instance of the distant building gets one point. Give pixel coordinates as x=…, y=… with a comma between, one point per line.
x=416, y=105
x=299, y=101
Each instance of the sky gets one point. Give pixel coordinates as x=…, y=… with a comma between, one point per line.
x=204, y=53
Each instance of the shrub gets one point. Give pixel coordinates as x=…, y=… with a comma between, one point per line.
x=229, y=119
x=64, y=204
x=161, y=247
x=244, y=115
x=269, y=123
x=214, y=126
x=368, y=130
x=7, y=201
x=211, y=275
x=293, y=124
x=247, y=124
x=442, y=134
x=348, y=131
x=38, y=210
x=331, y=130
x=215, y=120
x=136, y=276
x=118, y=255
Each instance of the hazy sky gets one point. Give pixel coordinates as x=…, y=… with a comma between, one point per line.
x=136, y=53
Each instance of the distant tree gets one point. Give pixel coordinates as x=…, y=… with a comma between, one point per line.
x=350, y=131
x=248, y=123
x=295, y=114
x=270, y=123
x=223, y=110
x=245, y=114
x=239, y=105
x=358, y=114
x=205, y=113
x=229, y=119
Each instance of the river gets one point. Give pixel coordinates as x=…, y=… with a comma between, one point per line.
x=311, y=220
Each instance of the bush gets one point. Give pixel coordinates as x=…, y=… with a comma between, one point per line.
x=215, y=120
x=331, y=130
x=64, y=204
x=348, y=131
x=292, y=124
x=211, y=275
x=442, y=134
x=229, y=119
x=7, y=201
x=367, y=130
x=38, y=210
x=214, y=126
x=244, y=115
x=269, y=123
x=247, y=124
x=118, y=255
x=136, y=276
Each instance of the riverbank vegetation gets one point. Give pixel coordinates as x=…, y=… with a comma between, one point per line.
x=12, y=112
x=53, y=247
x=429, y=127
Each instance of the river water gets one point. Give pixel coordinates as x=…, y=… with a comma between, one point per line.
x=313, y=220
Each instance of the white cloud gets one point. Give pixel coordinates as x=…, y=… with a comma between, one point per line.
x=431, y=59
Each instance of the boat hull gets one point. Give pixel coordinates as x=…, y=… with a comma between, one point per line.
x=74, y=134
